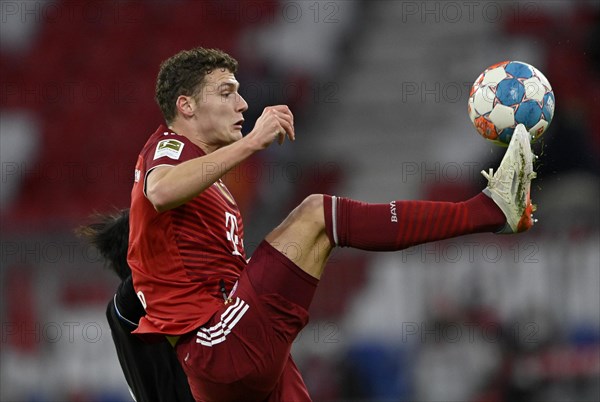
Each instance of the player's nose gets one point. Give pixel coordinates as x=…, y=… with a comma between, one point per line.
x=241, y=104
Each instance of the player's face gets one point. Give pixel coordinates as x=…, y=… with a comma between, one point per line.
x=219, y=109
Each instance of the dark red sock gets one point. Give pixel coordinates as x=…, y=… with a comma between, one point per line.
x=402, y=224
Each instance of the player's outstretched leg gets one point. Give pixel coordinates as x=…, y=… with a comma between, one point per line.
x=510, y=186
x=320, y=223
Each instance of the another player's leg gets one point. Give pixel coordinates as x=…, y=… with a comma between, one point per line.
x=308, y=234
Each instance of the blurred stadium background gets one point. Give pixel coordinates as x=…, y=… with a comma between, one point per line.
x=379, y=89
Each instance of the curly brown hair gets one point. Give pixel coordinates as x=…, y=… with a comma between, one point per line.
x=183, y=74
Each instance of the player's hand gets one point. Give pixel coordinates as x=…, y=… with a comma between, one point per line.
x=275, y=123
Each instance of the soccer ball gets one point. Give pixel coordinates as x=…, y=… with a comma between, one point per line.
x=507, y=94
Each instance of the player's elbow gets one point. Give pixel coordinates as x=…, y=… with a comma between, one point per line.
x=159, y=198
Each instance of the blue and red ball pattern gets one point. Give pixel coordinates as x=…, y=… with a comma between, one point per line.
x=507, y=94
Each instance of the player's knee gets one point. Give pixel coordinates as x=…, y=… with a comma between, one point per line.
x=311, y=210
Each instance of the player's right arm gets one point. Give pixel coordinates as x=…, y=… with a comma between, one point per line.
x=168, y=187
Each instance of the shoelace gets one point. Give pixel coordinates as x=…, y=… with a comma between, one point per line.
x=489, y=175
x=503, y=190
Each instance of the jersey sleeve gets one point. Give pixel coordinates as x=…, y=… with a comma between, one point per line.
x=166, y=150
x=169, y=150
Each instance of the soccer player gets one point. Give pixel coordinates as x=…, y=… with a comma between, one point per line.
x=232, y=322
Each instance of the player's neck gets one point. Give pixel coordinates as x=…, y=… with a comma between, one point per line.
x=195, y=137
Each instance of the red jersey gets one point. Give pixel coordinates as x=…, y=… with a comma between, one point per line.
x=179, y=257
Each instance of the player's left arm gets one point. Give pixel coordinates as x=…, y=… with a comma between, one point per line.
x=168, y=187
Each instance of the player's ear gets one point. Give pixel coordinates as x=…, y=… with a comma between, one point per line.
x=185, y=105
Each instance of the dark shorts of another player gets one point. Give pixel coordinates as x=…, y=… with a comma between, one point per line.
x=151, y=369
x=243, y=352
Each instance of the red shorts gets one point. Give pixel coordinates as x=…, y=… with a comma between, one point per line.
x=243, y=352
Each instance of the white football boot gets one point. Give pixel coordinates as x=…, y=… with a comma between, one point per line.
x=510, y=186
